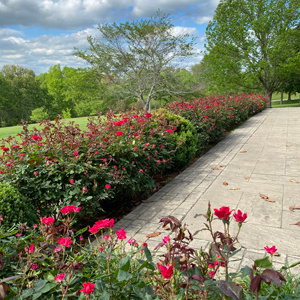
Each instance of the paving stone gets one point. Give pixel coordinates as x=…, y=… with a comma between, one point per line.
x=271, y=140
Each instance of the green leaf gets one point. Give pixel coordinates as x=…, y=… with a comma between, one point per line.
x=48, y=287
x=82, y=231
x=39, y=285
x=49, y=276
x=124, y=263
x=36, y=296
x=27, y=293
x=104, y=296
x=148, y=254
x=263, y=262
x=123, y=275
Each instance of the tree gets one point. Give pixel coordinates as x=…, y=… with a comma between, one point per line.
x=134, y=55
x=254, y=38
x=25, y=92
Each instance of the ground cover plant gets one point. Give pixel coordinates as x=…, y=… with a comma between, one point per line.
x=116, y=158
x=51, y=260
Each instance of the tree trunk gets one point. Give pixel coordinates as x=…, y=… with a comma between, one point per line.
x=281, y=99
x=268, y=94
x=289, y=97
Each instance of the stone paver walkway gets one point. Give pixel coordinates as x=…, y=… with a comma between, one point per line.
x=262, y=157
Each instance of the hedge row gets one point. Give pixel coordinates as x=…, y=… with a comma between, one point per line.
x=117, y=156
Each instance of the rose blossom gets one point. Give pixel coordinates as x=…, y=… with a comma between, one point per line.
x=271, y=250
x=166, y=240
x=166, y=272
x=223, y=213
x=131, y=241
x=47, y=221
x=64, y=241
x=240, y=217
x=121, y=234
x=60, y=277
x=107, y=223
x=88, y=288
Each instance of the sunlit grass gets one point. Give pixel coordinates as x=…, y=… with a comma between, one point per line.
x=5, y=132
x=286, y=103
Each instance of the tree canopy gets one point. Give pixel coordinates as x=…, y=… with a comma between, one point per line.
x=137, y=56
x=252, y=43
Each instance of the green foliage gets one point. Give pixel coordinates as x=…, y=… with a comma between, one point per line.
x=51, y=261
x=135, y=56
x=247, y=42
x=14, y=207
x=184, y=138
x=20, y=94
x=39, y=114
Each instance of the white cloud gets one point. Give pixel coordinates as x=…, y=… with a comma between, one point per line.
x=76, y=14
x=180, y=30
x=202, y=20
x=80, y=19
x=44, y=51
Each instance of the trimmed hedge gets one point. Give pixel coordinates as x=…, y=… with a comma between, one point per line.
x=15, y=207
x=118, y=155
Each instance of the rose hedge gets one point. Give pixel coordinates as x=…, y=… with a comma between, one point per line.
x=213, y=116
x=118, y=155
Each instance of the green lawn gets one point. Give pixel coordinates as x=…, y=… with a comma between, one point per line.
x=14, y=130
x=290, y=103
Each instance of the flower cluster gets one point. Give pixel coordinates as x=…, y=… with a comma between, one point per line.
x=71, y=208
x=101, y=224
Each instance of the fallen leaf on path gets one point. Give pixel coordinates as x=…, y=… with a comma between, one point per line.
x=147, y=201
x=154, y=234
x=288, y=145
x=266, y=198
x=225, y=183
x=276, y=254
x=295, y=181
x=166, y=227
x=223, y=166
x=291, y=208
x=243, y=151
x=246, y=177
x=298, y=223
x=214, y=168
x=234, y=188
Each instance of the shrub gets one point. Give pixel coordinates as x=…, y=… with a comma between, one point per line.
x=60, y=164
x=184, y=138
x=213, y=116
x=14, y=207
x=39, y=114
x=52, y=261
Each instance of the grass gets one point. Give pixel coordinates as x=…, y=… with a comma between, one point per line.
x=286, y=103
x=294, y=102
x=5, y=132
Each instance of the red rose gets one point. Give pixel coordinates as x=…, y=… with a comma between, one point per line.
x=47, y=221
x=88, y=288
x=166, y=272
x=271, y=250
x=240, y=217
x=223, y=213
x=65, y=241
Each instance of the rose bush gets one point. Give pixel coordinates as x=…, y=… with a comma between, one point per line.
x=117, y=156
x=53, y=261
x=213, y=116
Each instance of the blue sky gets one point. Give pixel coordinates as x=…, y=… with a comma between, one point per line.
x=38, y=34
